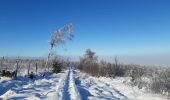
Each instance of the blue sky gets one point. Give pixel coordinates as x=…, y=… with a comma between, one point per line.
x=108, y=27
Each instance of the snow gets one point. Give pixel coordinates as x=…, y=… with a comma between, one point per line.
x=41, y=88
x=112, y=89
x=74, y=94
x=72, y=84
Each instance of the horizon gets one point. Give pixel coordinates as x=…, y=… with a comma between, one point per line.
x=135, y=31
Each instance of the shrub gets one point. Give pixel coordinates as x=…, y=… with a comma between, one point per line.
x=57, y=66
x=119, y=70
x=32, y=75
x=136, y=73
x=161, y=82
x=6, y=73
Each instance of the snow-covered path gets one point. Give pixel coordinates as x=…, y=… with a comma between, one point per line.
x=72, y=84
x=70, y=89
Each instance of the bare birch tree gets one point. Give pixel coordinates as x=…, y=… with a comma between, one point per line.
x=59, y=37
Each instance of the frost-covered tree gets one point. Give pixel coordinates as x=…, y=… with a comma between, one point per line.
x=90, y=56
x=88, y=62
x=59, y=37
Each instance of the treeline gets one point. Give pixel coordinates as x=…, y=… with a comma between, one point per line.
x=156, y=79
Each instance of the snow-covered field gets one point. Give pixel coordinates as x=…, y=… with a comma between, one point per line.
x=72, y=84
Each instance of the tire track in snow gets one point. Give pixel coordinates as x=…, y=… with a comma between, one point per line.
x=66, y=95
x=70, y=90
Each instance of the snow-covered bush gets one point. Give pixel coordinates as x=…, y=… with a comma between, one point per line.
x=136, y=74
x=161, y=81
x=89, y=64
